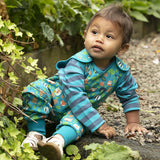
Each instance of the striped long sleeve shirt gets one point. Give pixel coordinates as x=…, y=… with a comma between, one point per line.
x=84, y=86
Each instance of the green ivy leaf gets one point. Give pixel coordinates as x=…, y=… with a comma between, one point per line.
x=17, y=101
x=8, y=47
x=16, y=148
x=4, y=156
x=72, y=150
x=19, y=48
x=12, y=77
x=6, y=145
x=92, y=146
x=10, y=113
x=13, y=131
x=114, y=151
x=40, y=74
x=2, y=125
x=18, y=33
x=10, y=25
x=78, y=156
x=27, y=148
x=28, y=69
x=23, y=65
x=47, y=31
x=2, y=107
x=15, y=56
x=29, y=34
x=33, y=62
x=44, y=68
x=4, y=30
x=16, y=120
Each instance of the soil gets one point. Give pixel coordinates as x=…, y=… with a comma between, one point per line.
x=143, y=57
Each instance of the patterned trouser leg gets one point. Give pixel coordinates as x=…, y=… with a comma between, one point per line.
x=70, y=120
x=37, y=105
x=35, y=108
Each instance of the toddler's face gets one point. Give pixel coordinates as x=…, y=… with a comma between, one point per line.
x=103, y=41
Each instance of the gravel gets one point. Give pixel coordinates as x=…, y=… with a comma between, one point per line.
x=143, y=57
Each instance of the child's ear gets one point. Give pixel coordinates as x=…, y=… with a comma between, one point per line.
x=85, y=33
x=123, y=49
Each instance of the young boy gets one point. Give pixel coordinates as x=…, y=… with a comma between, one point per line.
x=82, y=83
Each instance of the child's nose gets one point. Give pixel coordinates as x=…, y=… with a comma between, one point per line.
x=100, y=39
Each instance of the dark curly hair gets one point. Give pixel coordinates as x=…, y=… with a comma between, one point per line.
x=117, y=15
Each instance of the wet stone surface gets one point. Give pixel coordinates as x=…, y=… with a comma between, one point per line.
x=149, y=151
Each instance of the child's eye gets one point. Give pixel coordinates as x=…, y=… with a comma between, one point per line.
x=94, y=32
x=109, y=36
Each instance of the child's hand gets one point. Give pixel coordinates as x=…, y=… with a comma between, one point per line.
x=106, y=130
x=135, y=127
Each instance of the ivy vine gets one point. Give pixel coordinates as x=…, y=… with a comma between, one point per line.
x=11, y=115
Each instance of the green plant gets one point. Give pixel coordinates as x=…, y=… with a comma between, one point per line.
x=11, y=138
x=54, y=20
x=139, y=9
x=11, y=56
x=72, y=153
x=111, y=151
x=58, y=19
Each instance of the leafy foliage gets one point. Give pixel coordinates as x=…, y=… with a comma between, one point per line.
x=58, y=19
x=11, y=57
x=72, y=152
x=11, y=138
x=141, y=9
x=109, y=151
x=105, y=151
x=54, y=20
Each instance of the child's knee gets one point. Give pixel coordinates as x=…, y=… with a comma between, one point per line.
x=70, y=120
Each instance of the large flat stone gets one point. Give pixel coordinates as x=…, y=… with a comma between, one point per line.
x=149, y=151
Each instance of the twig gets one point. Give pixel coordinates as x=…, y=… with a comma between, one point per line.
x=11, y=84
x=16, y=109
x=19, y=41
x=8, y=153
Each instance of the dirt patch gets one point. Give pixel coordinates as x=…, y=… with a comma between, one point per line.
x=143, y=58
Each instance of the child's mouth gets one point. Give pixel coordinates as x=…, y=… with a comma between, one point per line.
x=97, y=48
